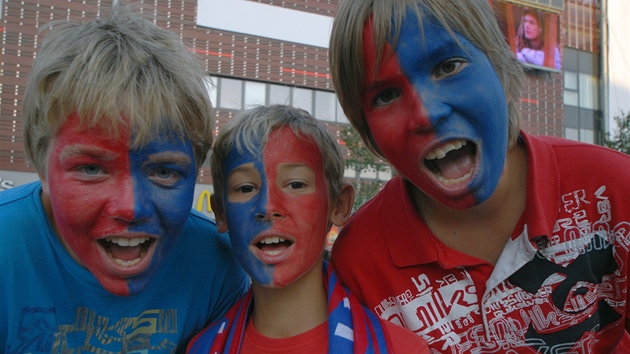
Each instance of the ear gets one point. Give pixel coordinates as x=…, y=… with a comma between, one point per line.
x=219, y=213
x=343, y=205
x=44, y=182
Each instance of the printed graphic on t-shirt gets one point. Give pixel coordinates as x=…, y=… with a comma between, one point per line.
x=572, y=290
x=91, y=333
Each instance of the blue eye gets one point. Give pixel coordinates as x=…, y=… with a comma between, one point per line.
x=164, y=173
x=165, y=177
x=91, y=170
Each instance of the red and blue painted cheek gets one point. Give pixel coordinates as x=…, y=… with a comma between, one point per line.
x=248, y=219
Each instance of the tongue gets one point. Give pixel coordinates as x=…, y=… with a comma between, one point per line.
x=455, y=164
x=124, y=253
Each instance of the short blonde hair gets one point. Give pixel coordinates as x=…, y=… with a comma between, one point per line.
x=250, y=130
x=473, y=19
x=112, y=69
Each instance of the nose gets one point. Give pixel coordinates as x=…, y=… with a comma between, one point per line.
x=431, y=110
x=270, y=208
x=126, y=203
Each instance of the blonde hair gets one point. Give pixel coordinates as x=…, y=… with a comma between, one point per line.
x=122, y=69
x=473, y=19
x=250, y=130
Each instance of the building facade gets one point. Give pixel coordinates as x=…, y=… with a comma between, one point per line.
x=270, y=51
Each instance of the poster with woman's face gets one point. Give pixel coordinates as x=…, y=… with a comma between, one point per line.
x=533, y=34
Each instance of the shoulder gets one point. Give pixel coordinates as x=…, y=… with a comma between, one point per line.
x=201, y=237
x=202, y=341
x=562, y=145
x=381, y=205
x=404, y=340
x=18, y=194
x=199, y=226
x=570, y=153
x=21, y=208
x=369, y=222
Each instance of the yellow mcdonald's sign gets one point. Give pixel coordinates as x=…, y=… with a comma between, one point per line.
x=205, y=195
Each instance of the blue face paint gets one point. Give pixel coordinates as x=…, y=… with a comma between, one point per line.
x=438, y=112
x=164, y=174
x=277, y=208
x=119, y=210
x=242, y=229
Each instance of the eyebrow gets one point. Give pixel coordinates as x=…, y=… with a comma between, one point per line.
x=170, y=157
x=293, y=164
x=246, y=167
x=83, y=150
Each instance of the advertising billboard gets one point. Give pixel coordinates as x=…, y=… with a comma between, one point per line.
x=533, y=34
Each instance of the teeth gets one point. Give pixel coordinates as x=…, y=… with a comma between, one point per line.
x=272, y=240
x=127, y=263
x=127, y=242
x=450, y=182
x=273, y=253
x=440, y=152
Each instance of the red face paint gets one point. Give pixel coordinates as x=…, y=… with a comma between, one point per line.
x=277, y=208
x=118, y=210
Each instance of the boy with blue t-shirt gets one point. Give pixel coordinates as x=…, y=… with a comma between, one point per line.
x=104, y=254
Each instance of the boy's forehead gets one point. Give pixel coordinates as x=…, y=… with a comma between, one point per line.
x=284, y=143
x=115, y=131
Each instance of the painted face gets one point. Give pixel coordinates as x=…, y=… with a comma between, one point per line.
x=438, y=113
x=119, y=210
x=277, y=208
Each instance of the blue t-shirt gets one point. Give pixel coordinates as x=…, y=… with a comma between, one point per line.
x=51, y=304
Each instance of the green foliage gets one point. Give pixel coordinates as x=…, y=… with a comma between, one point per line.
x=361, y=158
x=620, y=140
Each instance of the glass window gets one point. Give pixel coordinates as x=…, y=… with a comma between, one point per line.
x=325, y=105
x=571, y=98
x=211, y=84
x=279, y=94
x=303, y=98
x=230, y=93
x=571, y=133
x=386, y=174
x=589, y=94
x=341, y=117
x=368, y=173
x=571, y=117
x=587, y=136
x=570, y=80
x=255, y=93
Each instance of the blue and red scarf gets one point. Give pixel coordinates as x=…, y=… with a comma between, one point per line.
x=351, y=327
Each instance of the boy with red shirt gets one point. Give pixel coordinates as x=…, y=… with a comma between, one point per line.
x=277, y=176
x=489, y=239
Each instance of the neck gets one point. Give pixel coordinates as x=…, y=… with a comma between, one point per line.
x=293, y=309
x=483, y=230
x=535, y=43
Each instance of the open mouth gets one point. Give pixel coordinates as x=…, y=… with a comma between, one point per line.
x=273, y=245
x=126, y=252
x=452, y=163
